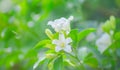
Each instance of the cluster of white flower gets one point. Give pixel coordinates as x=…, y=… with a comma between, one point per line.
x=62, y=25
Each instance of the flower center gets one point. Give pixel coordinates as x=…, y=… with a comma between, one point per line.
x=62, y=45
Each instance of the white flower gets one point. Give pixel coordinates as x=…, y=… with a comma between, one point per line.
x=30, y=24
x=82, y=52
x=61, y=24
x=5, y=5
x=62, y=44
x=103, y=42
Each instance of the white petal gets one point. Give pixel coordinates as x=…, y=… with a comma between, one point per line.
x=61, y=24
x=62, y=37
x=58, y=27
x=58, y=48
x=83, y=52
x=103, y=42
x=67, y=49
x=71, y=18
x=102, y=48
x=62, y=20
x=66, y=26
x=68, y=40
x=67, y=32
x=50, y=23
x=55, y=41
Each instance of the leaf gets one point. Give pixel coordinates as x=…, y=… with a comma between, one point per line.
x=84, y=33
x=73, y=34
x=42, y=43
x=117, y=36
x=58, y=63
x=91, y=61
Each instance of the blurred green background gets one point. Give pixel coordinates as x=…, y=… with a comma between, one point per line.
x=23, y=22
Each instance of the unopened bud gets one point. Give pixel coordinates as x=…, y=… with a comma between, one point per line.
x=50, y=55
x=49, y=33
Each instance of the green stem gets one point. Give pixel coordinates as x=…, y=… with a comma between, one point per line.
x=80, y=64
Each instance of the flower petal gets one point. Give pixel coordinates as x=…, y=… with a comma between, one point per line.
x=103, y=42
x=67, y=49
x=102, y=48
x=58, y=48
x=70, y=18
x=62, y=37
x=68, y=40
x=55, y=41
x=50, y=23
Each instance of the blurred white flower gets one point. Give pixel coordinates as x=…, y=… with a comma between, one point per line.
x=70, y=5
x=99, y=29
x=81, y=1
x=82, y=52
x=61, y=24
x=11, y=63
x=8, y=50
x=90, y=37
x=36, y=17
x=21, y=56
x=11, y=19
x=5, y=6
x=103, y=42
x=3, y=32
x=62, y=44
x=30, y=24
x=17, y=8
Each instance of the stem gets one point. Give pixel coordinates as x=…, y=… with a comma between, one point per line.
x=80, y=64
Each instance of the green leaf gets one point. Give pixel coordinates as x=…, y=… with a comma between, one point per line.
x=91, y=61
x=42, y=43
x=73, y=34
x=58, y=63
x=117, y=36
x=84, y=33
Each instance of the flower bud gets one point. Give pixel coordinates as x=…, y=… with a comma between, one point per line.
x=49, y=33
x=50, y=55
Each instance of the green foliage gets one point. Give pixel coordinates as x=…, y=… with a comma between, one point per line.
x=109, y=24
x=58, y=63
x=24, y=43
x=42, y=43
